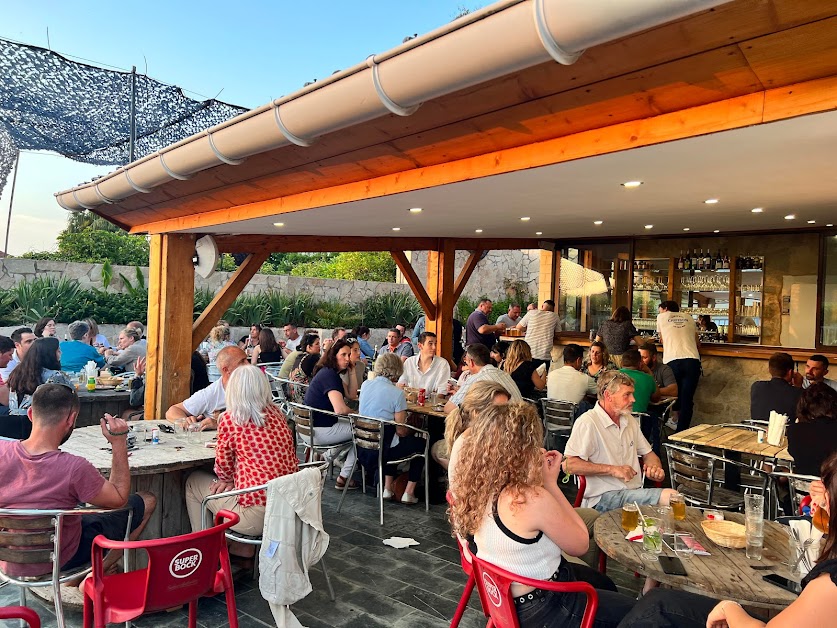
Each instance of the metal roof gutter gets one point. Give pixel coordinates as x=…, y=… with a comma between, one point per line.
x=454, y=57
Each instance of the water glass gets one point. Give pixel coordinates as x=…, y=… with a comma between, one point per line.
x=794, y=564
x=754, y=525
x=754, y=505
x=180, y=428
x=666, y=520
x=682, y=546
x=193, y=433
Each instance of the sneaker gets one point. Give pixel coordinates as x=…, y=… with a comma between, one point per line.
x=671, y=424
x=341, y=483
x=388, y=494
x=406, y=498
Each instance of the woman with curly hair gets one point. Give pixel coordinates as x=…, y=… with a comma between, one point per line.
x=219, y=338
x=520, y=520
x=524, y=370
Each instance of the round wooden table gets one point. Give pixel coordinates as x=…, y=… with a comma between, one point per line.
x=95, y=404
x=725, y=574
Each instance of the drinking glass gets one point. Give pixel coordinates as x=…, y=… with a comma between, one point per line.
x=678, y=506
x=193, y=432
x=754, y=525
x=682, y=546
x=630, y=517
x=794, y=563
x=666, y=520
x=180, y=428
x=652, y=539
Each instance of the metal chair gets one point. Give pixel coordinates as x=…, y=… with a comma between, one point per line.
x=305, y=435
x=31, y=536
x=368, y=433
x=257, y=540
x=698, y=476
x=494, y=586
x=558, y=419
x=798, y=486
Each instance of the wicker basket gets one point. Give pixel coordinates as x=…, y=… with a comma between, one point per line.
x=108, y=381
x=725, y=533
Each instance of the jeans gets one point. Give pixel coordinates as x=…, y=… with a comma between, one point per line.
x=613, y=500
x=687, y=374
x=565, y=610
x=667, y=608
x=407, y=445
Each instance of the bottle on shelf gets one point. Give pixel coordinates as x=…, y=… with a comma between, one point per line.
x=694, y=264
x=726, y=262
x=707, y=260
x=719, y=261
x=680, y=261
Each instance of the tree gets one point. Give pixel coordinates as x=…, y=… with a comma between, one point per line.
x=95, y=246
x=363, y=266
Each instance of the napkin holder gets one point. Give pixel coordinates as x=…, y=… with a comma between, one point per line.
x=776, y=428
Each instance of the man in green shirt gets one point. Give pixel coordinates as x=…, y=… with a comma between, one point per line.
x=645, y=387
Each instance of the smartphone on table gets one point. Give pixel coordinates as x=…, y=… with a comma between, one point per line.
x=672, y=566
x=789, y=585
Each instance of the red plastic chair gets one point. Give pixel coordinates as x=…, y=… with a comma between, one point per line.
x=180, y=570
x=469, y=571
x=494, y=586
x=21, y=612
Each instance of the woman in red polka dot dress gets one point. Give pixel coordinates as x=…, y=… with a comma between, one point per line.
x=254, y=446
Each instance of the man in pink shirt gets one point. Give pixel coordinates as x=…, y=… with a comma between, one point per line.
x=36, y=474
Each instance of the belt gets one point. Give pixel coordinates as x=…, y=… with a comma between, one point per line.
x=536, y=594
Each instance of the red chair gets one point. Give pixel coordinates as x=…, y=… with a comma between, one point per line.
x=579, y=497
x=180, y=570
x=494, y=586
x=21, y=612
x=466, y=567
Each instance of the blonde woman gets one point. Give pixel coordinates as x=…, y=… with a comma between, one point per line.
x=523, y=370
x=520, y=520
x=219, y=338
x=254, y=446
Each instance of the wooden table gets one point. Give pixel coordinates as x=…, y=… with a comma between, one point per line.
x=159, y=469
x=95, y=404
x=426, y=410
x=725, y=574
x=736, y=439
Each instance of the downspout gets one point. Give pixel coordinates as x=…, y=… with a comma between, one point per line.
x=396, y=82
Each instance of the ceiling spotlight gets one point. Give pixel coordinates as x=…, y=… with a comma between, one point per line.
x=757, y=210
x=811, y=222
x=686, y=229
x=597, y=222
x=790, y=217
x=525, y=218
x=477, y=230
x=278, y=224
x=538, y=232
x=414, y=210
x=396, y=228
x=711, y=201
x=631, y=184
x=649, y=226
x=717, y=231
x=829, y=225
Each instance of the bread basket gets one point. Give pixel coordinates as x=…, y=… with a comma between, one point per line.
x=109, y=381
x=725, y=533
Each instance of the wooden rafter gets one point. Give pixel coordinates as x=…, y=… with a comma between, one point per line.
x=237, y=243
x=224, y=299
x=465, y=273
x=415, y=284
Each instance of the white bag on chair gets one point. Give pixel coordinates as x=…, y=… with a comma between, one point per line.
x=776, y=428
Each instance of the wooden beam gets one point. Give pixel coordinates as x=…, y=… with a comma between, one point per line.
x=224, y=299
x=733, y=113
x=465, y=273
x=440, y=284
x=414, y=282
x=171, y=290
x=238, y=243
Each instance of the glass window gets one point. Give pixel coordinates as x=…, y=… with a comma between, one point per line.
x=828, y=332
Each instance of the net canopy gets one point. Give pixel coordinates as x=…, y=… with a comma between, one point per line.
x=48, y=102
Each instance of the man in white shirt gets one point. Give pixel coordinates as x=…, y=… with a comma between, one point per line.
x=23, y=339
x=541, y=327
x=199, y=407
x=568, y=383
x=605, y=445
x=512, y=318
x=292, y=338
x=478, y=361
x=426, y=370
x=679, y=337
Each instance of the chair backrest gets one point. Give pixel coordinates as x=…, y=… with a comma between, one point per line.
x=799, y=486
x=558, y=413
x=180, y=569
x=582, y=486
x=368, y=432
x=21, y=612
x=27, y=539
x=494, y=586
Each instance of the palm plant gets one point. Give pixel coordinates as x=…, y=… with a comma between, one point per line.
x=247, y=309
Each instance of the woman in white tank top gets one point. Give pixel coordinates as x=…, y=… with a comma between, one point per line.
x=508, y=502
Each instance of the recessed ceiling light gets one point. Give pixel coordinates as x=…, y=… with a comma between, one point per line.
x=717, y=231
x=538, y=232
x=811, y=222
x=597, y=222
x=414, y=210
x=711, y=201
x=686, y=229
x=525, y=218
x=829, y=225
x=396, y=228
x=477, y=230
x=631, y=184
x=757, y=210
x=790, y=217
x=649, y=226
x=278, y=224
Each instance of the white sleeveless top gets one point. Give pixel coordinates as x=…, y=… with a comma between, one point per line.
x=538, y=557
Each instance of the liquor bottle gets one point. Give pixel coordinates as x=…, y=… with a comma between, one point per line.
x=707, y=260
x=687, y=262
x=719, y=261
x=680, y=261
x=726, y=262
x=694, y=260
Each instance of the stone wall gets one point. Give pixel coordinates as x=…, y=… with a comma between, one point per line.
x=13, y=271
x=494, y=273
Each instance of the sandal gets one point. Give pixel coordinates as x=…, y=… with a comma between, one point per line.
x=341, y=483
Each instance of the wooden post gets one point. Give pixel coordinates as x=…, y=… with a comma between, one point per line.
x=548, y=277
x=441, y=288
x=171, y=290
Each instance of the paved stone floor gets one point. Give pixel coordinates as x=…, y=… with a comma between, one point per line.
x=375, y=585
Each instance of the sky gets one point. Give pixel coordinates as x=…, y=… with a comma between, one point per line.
x=251, y=53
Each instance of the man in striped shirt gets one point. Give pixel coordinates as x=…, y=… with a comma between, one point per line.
x=541, y=328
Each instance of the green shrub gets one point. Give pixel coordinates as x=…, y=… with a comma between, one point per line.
x=284, y=308
x=44, y=296
x=386, y=310
x=247, y=309
x=334, y=313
